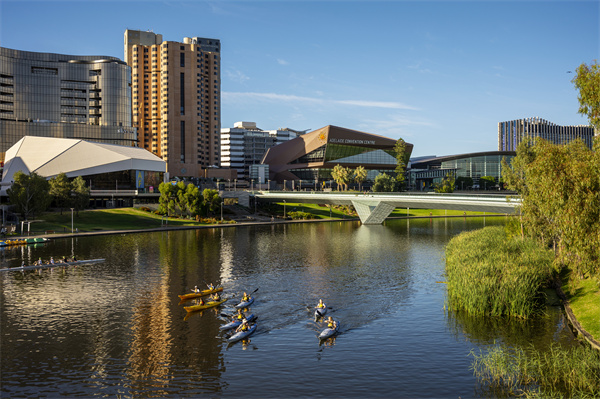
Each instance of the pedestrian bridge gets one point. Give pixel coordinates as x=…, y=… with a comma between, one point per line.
x=373, y=208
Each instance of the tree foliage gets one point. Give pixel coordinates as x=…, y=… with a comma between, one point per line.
x=463, y=182
x=384, y=183
x=80, y=194
x=360, y=175
x=559, y=187
x=487, y=182
x=587, y=81
x=180, y=199
x=29, y=194
x=341, y=175
x=212, y=200
x=60, y=190
x=401, y=161
x=446, y=185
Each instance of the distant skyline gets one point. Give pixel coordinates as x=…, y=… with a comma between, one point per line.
x=439, y=74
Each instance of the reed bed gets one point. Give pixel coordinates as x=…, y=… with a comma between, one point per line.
x=491, y=274
x=556, y=372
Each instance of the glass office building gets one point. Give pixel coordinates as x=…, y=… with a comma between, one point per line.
x=425, y=172
x=511, y=133
x=64, y=96
x=312, y=156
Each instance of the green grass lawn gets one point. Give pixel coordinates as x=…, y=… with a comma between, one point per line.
x=103, y=219
x=584, y=297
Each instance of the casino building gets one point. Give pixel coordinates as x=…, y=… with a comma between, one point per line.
x=311, y=157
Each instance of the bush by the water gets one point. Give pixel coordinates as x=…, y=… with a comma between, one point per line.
x=489, y=273
x=557, y=372
x=301, y=215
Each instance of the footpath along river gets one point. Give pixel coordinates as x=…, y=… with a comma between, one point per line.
x=117, y=329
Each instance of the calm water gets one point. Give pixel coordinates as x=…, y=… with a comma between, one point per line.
x=117, y=329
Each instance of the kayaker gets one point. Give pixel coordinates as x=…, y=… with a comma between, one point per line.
x=39, y=262
x=245, y=298
x=331, y=323
x=243, y=327
x=210, y=286
x=51, y=260
x=240, y=315
x=321, y=305
x=196, y=289
x=216, y=297
x=201, y=301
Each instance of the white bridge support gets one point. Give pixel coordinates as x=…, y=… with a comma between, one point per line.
x=373, y=212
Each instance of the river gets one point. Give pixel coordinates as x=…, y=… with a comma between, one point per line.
x=116, y=328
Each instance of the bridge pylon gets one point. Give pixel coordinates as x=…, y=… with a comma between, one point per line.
x=372, y=212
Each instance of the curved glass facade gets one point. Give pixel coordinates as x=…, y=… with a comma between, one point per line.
x=65, y=96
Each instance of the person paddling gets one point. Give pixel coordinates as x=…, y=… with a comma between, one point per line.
x=243, y=327
x=321, y=305
x=331, y=323
x=245, y=297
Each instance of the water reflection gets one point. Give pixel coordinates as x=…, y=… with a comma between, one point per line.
x=118, y=329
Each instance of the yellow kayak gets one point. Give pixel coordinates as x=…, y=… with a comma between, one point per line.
x=209, y=304
x=200, y=293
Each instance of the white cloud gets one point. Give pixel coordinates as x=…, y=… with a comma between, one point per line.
x=312, y=100
x=236, y=75
x=282, y=62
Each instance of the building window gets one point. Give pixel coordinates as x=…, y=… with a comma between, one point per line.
x=182, y=59
x=182, y=140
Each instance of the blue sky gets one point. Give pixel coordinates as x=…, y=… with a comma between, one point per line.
x=439, y=74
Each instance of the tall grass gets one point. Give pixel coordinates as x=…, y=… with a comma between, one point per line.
x=490, y=274
x=556, y=372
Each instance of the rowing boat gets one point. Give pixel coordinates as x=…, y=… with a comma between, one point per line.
x=209, y=304
x=242, y=334
x=50, y=265
x=235, y=323
x=244, y=304
x=25, y=241
x=328, y=332
x=200, y=293
x=320, y=312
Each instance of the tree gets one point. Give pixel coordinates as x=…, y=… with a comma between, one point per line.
x=446, y=185
x=193, y=200
x=29, y=194
x=80, y=194
x=587, y=81
x=401, y=161
x=487, y=182
x=463, y=182
x=166, y=202
x=360, y=175
x=560, y=193
x=384, y=183
x=211, y=199
x=60, y=189
x=341, y=175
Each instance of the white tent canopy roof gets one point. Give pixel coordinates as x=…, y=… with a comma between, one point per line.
x=49, y=157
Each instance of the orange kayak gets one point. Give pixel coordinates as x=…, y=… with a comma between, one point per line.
x=210, y=304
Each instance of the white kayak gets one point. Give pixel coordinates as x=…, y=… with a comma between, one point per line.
x=320, y=312
x=244, y=304
x=328, y=332
x=235, y=323
x=242, y=334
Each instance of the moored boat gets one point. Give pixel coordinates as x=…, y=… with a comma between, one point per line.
x=206, y=305
x=242, y=334
x=200, y=293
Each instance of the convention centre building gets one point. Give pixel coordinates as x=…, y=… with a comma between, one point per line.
x=311, y=157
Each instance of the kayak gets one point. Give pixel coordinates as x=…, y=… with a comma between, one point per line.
x=235, y=323
x=242, y=334
x=200, y=293
x=320, y=312
x=328, y=332
x=209, y=304
x=50, y=265
x=242, y=305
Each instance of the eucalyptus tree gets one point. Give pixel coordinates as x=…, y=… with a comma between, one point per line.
x=211, y=199
x=446, y=185
x=60, y=190
x=80, y=194
x=401, y=161
x=384, y=183
x=587, y=82
x=29, y=194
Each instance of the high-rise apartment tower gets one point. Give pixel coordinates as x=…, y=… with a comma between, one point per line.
x=511, y=133
x=176, y=90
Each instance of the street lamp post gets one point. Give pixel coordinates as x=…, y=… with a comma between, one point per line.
x=229, y=184
x=234, y=184
x=284, y=209
x=269, y=185
x=72, y=220
x=222, y=210
x=252, y=185
x=284, y=183
x=300, y=186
